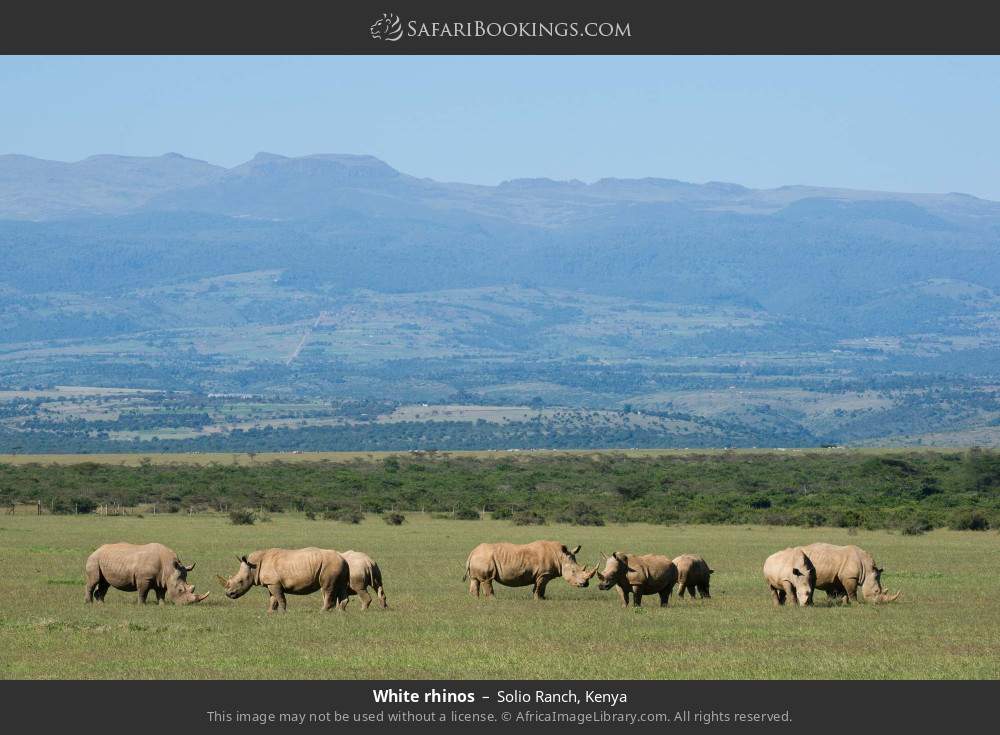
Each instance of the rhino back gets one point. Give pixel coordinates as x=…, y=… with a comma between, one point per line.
x=691, y=567
x=121, y=564
x=833, y=563
x=363, y=570
x=299, y=570
x=652, y=571
x=780, y=564
x=522, y=563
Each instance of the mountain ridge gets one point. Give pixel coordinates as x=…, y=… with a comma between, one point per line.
x=107, y=184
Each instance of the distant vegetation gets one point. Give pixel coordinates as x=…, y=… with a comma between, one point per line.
x=796, y=316
x=908, y=491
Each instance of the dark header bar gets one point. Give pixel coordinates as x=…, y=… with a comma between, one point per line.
x=509, y=27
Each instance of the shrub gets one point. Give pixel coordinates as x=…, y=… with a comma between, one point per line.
x=466, y=514
x=527, y=518
x=966, y=521
x=580, y=514
x=845, y=519
x=810, y=519
x=344, y=515
x=778, y=519
x=310, y=515
x=242, y=517
x=501, y=514
x=394, y=519
x=84, y=505
x=914, y=528
x=62, y=507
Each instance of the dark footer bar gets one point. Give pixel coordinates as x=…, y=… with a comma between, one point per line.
x=552, y=706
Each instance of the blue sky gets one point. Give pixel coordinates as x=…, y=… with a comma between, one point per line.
x=907, y=124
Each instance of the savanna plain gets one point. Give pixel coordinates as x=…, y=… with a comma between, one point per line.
x=946, y=625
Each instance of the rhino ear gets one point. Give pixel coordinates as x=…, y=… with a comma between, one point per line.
x=796, y=572
x=879, y=569
x=576, y=550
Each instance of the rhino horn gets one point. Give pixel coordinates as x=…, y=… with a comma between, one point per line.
x=591, y=573
x=886, y=597
x=222, y=580
x=199, y=598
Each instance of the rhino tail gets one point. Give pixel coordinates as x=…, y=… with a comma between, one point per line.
x=376, y=576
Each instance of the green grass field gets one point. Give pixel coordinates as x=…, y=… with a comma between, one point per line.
x=947, y=625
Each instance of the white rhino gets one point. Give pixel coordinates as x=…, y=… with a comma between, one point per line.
x=842, y=570
x=790, y=574
x=139, y=568
x=693, y=574
x=518, y=565
x=292, y=571
x=639, y=575
x=365, y=573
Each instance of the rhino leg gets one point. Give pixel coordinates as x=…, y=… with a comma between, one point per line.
x=329, y=600
x=850, y=590
x=381, y=598
x=623, y=593
x=488, y=587
x=90, y=587
x=276, y=598
x=778, y=596
x=703, y=589
x=474, y=586
x=142, y=588
x=366, y=599
x=681, y=586
x=665, y=596
x=102, y=589
x=636, y=597
x=540, y=585
x=161, y=595
x=343, y=597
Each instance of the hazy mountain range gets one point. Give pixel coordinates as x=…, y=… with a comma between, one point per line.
x=283, y=264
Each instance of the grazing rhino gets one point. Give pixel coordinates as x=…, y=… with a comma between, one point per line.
x=693, y=574
x=292, y=571
x=790, y=574
x=364, y=574
x=639, y=574
x=518, y=565
x=134, y=568
x=841, y=570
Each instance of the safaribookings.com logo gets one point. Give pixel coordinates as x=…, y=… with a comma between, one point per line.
x=387, y=28
x=390, y=28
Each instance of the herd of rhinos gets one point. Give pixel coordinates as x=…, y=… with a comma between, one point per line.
x=794, y=573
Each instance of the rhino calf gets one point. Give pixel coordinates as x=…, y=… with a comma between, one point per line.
x=790, y=575
x=293, y=572
x=141, y=569
x=842, y=570
x=639, y=575
x=518, y=565
x=364, y=573
x=693, y=574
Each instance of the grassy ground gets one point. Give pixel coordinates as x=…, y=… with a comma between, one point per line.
x=946, y=626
